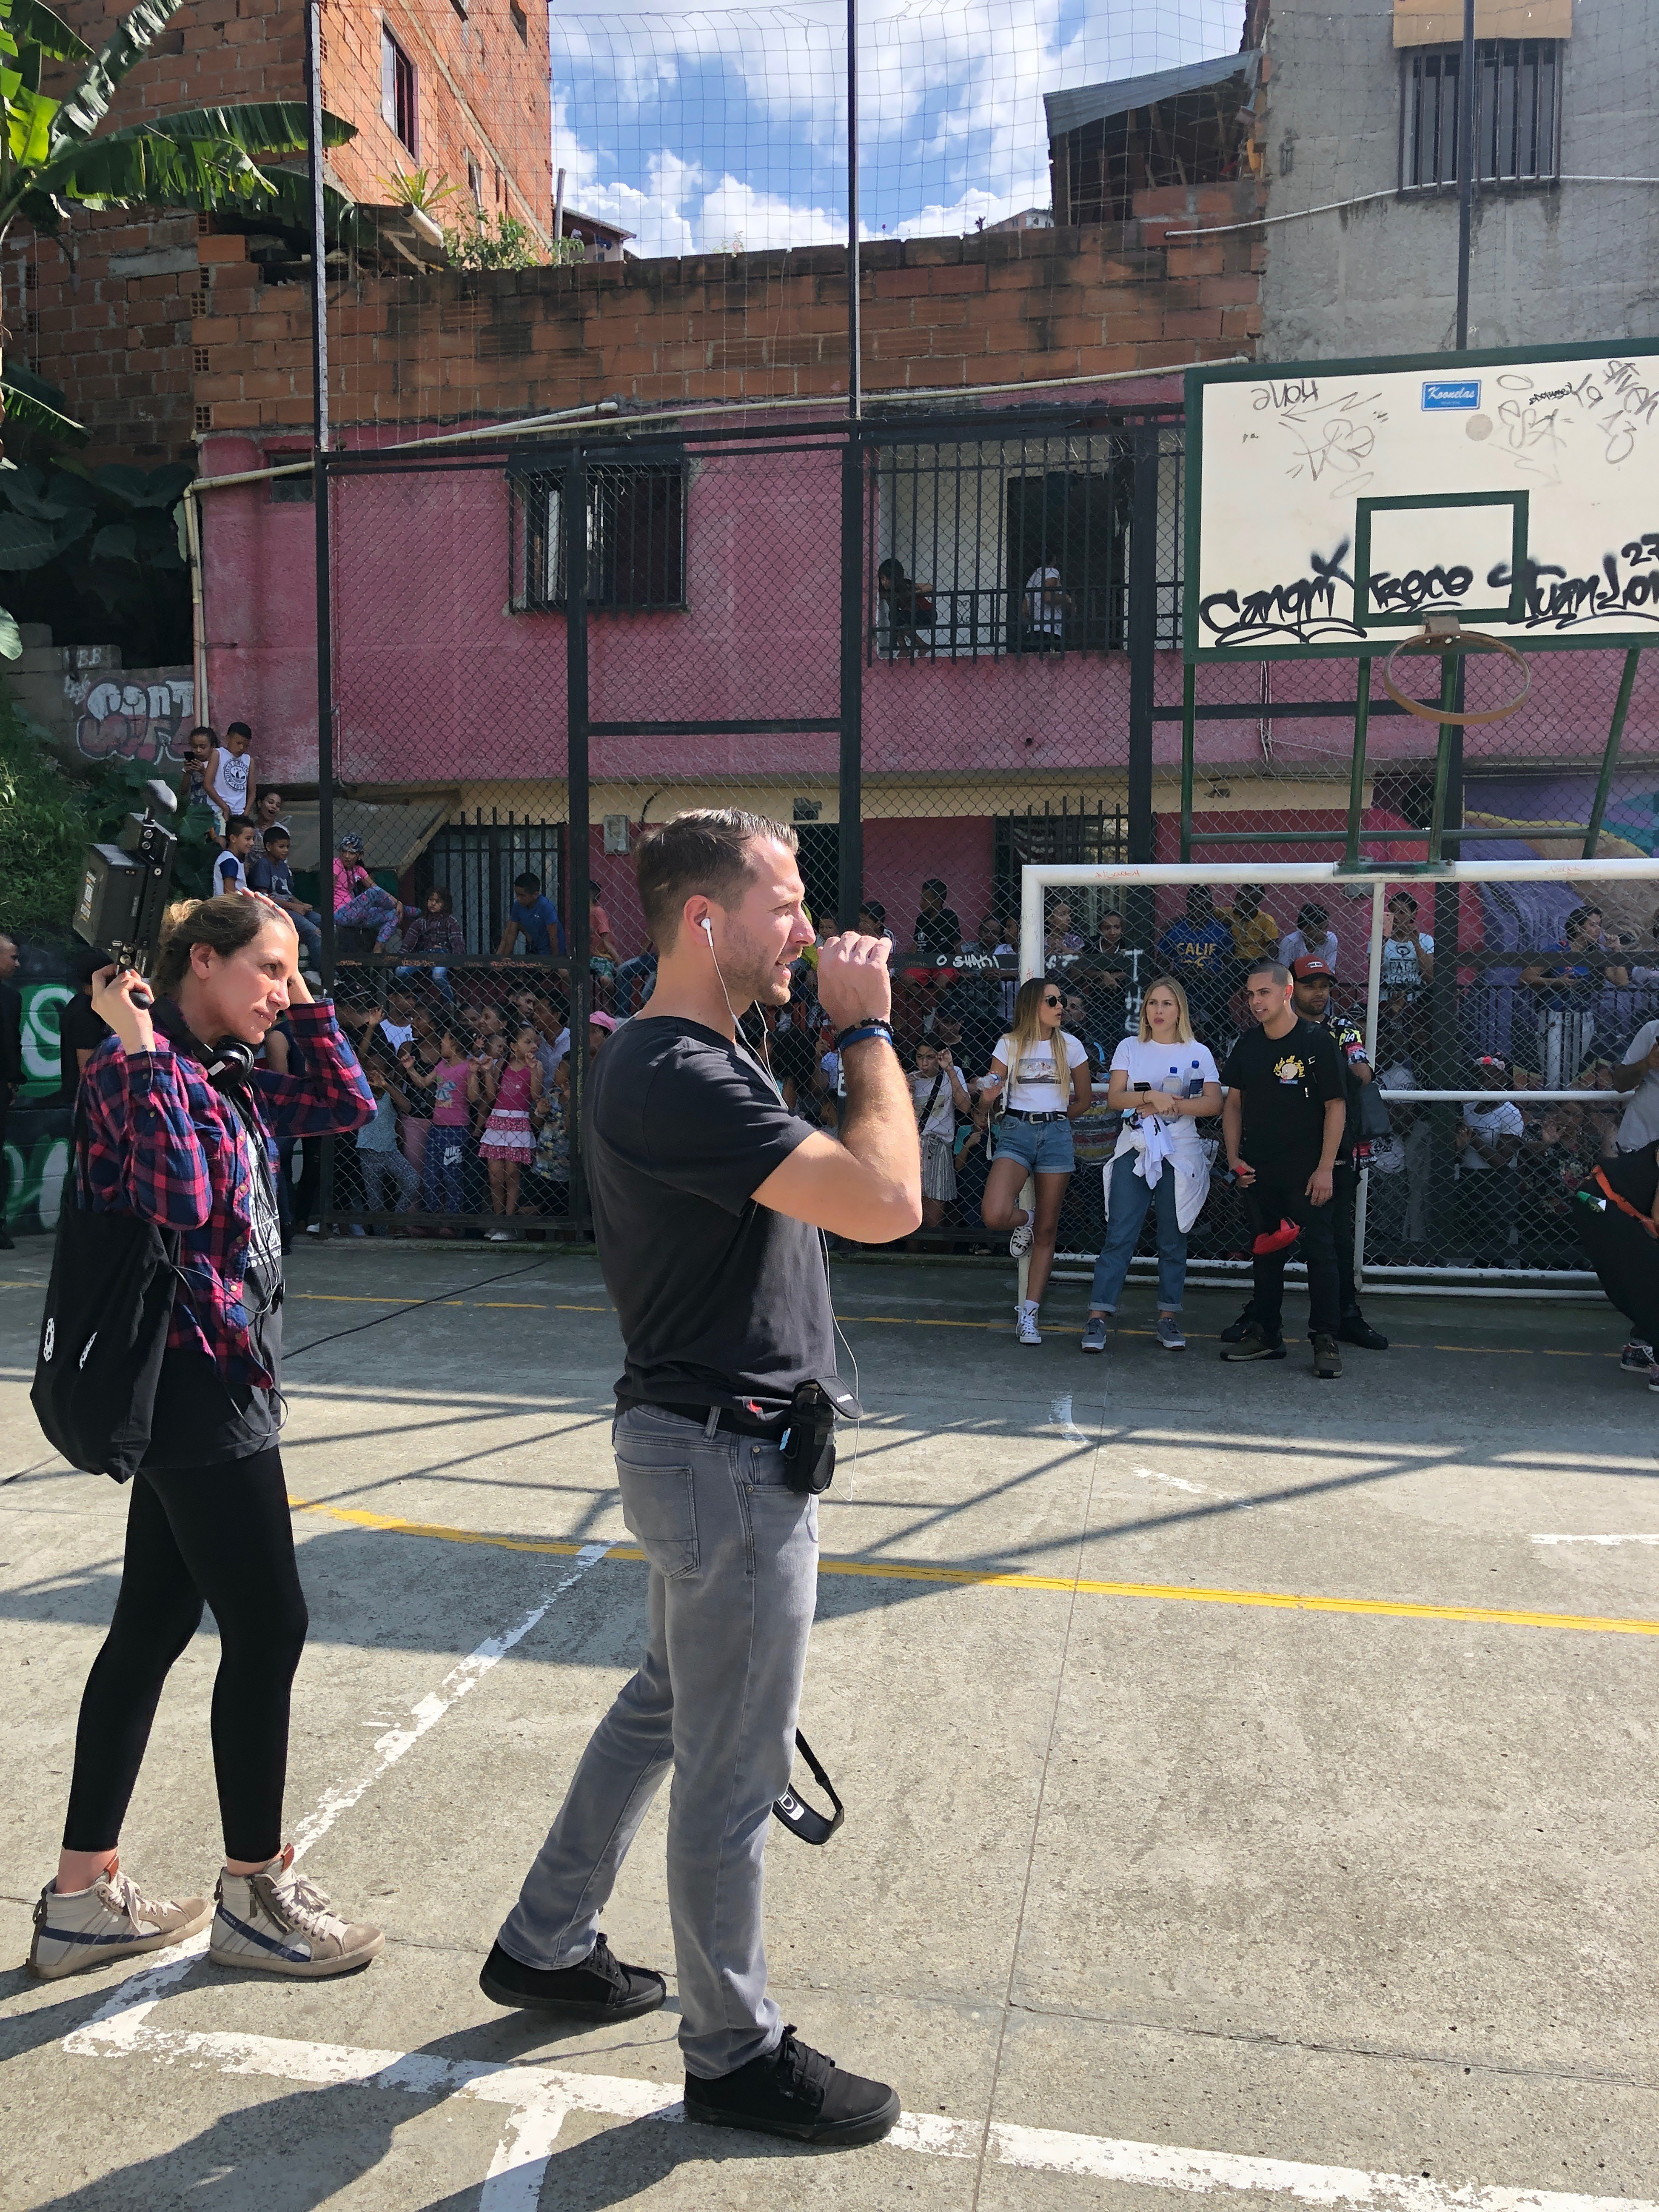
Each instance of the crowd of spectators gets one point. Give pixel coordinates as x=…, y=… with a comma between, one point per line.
x=476, y=1047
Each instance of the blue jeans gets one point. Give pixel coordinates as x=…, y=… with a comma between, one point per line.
x=310, y=936
x=442, y=1170
x=733, y=1557
x=1128, y=1200
x=440, y=976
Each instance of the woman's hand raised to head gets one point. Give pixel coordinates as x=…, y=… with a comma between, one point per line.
x=121, y=996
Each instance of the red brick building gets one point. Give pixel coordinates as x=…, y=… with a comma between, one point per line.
x=462, y=91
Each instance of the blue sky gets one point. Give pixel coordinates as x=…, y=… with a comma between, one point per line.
x=726, y=128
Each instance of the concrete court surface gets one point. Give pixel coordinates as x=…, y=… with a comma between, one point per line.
x=1140, y=1894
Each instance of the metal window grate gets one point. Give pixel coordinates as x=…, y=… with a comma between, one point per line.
x=1517, y=114
x=475, y=862
x=636, y=538
x=1014, y=545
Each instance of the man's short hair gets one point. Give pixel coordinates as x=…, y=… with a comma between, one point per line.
x=527, y=883
x=933, y=883
x=1276, y=968
x=705, y=850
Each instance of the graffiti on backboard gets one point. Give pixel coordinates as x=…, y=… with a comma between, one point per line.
x=141, y=715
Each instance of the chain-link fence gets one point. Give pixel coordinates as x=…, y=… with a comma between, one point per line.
x=944, y=648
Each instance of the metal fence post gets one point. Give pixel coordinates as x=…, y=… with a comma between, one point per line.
x=574, y=520
x=850, y=840
x=1143, y=640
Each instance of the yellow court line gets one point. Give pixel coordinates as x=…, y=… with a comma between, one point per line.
x=881, y=1570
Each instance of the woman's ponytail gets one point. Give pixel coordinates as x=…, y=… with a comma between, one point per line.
x=224, y=925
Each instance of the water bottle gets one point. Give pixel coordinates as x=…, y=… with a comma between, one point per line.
x=1195, y=1082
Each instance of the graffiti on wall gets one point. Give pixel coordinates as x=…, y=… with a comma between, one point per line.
x=144, y=715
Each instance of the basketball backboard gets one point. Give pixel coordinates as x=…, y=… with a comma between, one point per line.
x=1331, y=505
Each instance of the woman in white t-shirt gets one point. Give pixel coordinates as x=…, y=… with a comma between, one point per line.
x=939, y=1094
x=1045, y=1075
x=1164, y=1083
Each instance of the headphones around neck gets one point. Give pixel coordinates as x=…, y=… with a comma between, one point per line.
x=228, y=1067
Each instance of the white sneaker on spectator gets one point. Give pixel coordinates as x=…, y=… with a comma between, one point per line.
x=498, y=1235
x=1637, y=1358
x=76, y=1928
x=275, y=1921
x=1020, y=1243
x=1025, y=1322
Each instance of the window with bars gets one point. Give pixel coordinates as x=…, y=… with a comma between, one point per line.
x=1517, y=113
x=1014, y=545
x=636, y=537
x=399, y=92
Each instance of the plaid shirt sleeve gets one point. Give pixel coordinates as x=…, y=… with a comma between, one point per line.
x=145, y=1155
x=331, y=1098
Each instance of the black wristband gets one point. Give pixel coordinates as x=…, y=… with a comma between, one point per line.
x=858, y=1032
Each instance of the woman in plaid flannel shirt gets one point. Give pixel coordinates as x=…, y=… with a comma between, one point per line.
x=208, y=1518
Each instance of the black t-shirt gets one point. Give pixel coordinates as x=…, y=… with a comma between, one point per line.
x=1634, y=1175
x=77, y=1026
x=1286, y=1082
x=722, y=1301
x=794, y=1057
x=939, y=932
x=201, y=1419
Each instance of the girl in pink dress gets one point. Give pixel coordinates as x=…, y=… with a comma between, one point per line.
x=508, y=1142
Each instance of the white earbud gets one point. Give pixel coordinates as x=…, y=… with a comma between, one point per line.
x=708, y=929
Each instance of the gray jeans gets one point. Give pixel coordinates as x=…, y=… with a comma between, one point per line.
x=733, y=1561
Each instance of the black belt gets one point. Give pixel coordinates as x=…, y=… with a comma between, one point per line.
x=1019, y=1114
x=729, y=1417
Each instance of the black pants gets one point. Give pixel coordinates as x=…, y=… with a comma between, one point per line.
x=1284, y=1198
x=1626, y=1260
x=223, y=1534
x=1345, y=1192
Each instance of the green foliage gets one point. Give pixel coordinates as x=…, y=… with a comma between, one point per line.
x=111, y=535
x=44, y=828
x=425, y=189
x=48, y=816
x=492, y=242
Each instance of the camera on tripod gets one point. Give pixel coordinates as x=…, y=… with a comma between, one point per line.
x=124, y=886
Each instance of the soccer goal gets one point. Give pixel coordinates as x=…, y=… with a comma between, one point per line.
x=1498, y=996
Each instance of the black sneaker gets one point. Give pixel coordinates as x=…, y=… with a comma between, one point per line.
x=1356, y=1329
x=600, y=1989
x=1327, y=1360
x=1255, y=1343
x=1234, y=1331
x=797, y=2092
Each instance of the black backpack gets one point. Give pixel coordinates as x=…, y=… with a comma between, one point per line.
x=105, y=1330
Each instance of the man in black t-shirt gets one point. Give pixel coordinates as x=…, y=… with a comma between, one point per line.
x=1617, y=1217
x=1282, y=1120
x=708, y=1199
x=80, y=1029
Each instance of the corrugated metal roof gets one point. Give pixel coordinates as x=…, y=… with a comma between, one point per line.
x=1093, y=103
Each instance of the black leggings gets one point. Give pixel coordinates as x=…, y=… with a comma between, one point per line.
x=223, y=1534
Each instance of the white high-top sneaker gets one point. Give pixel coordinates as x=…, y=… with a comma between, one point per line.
x=80, y=1928
x=275, y=1921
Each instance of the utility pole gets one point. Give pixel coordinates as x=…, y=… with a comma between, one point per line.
x=849, y=843
x=1465, y=171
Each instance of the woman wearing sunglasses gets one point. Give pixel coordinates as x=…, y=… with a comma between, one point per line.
x=1048, y=1088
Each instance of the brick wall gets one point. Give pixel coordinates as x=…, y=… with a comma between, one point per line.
x=955, y=312
x=110, y=321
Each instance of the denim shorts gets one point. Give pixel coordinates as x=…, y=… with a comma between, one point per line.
x=1045, y=1147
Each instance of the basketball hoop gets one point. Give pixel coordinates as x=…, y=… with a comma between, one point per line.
x=1444, y=634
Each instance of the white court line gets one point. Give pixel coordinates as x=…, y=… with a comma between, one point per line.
x=1596, y=1539
x=1174, y=1482
x=122, y=2015
x=541, y=2095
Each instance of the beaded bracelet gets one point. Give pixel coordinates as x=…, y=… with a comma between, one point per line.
x=860, y=1031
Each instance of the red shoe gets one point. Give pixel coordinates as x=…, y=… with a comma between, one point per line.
x=1276, y=1240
